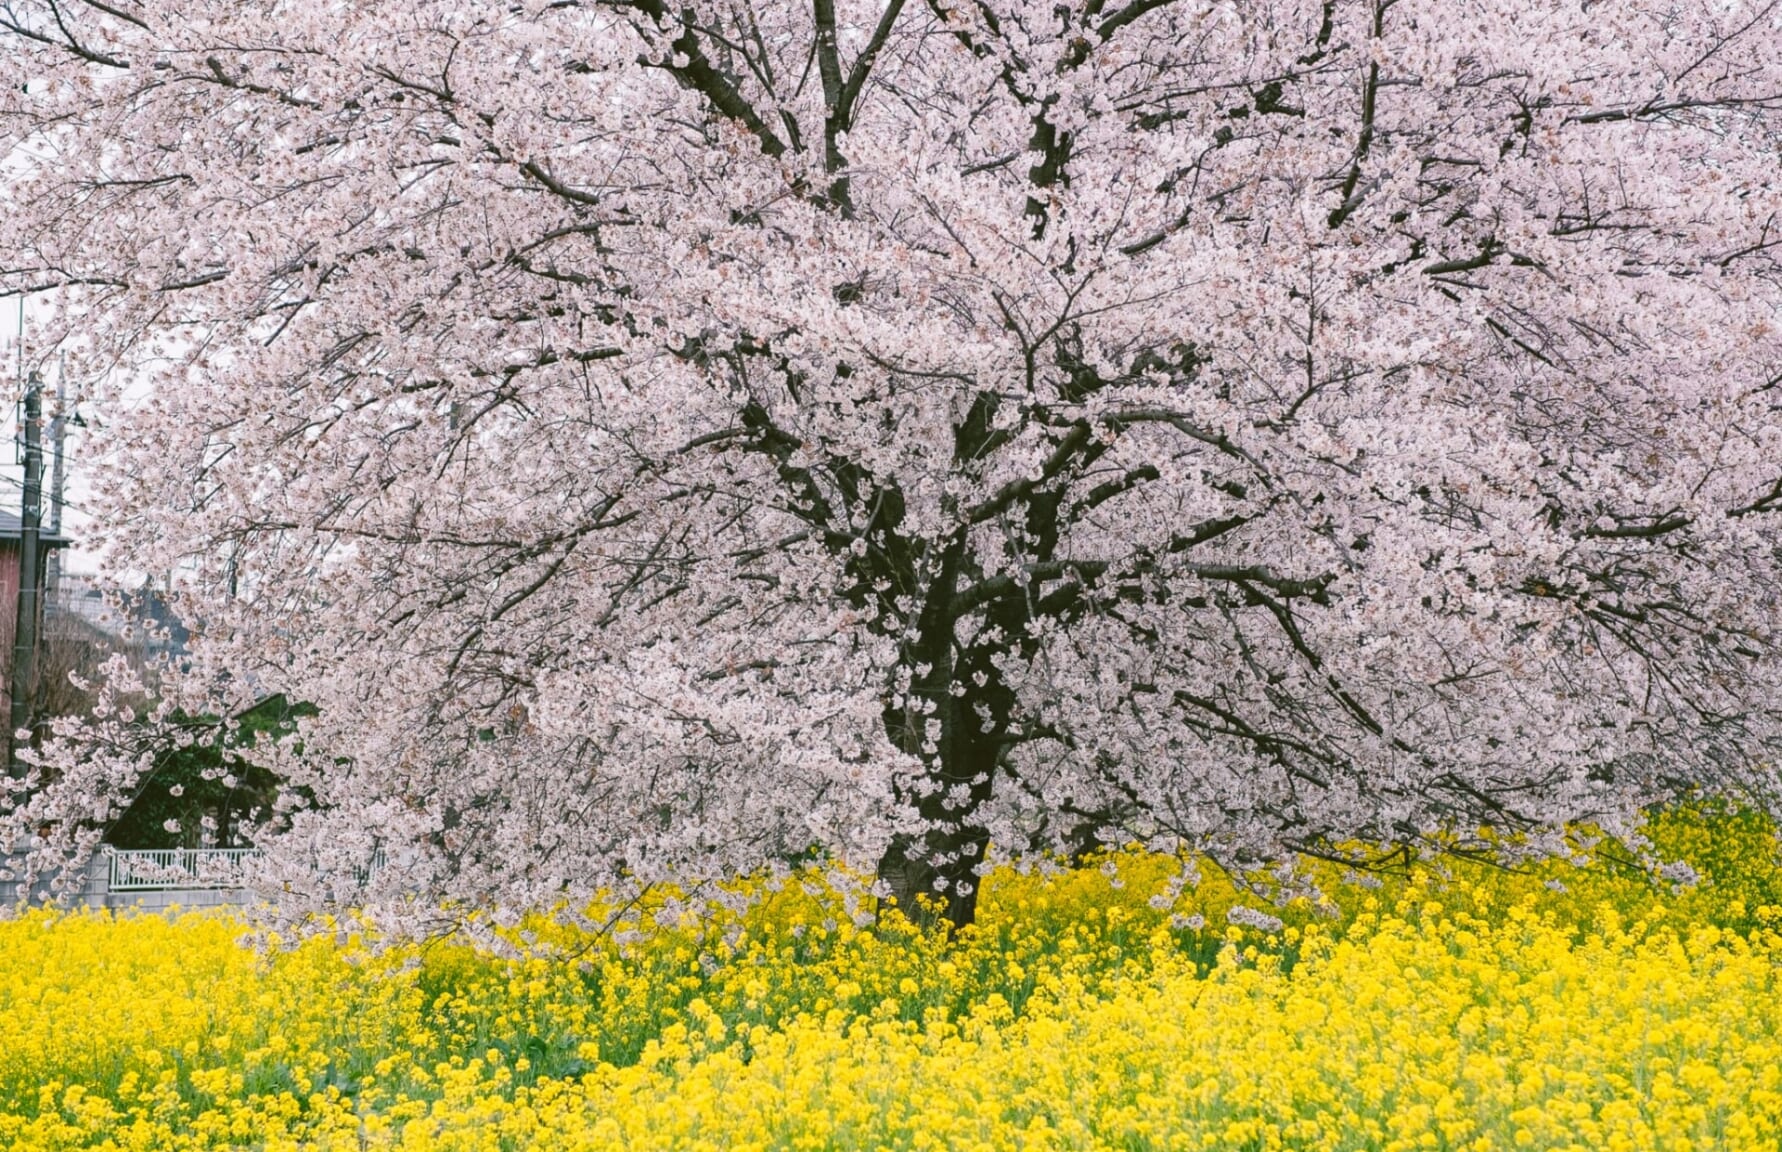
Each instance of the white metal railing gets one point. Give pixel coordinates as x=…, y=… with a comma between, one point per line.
x=138, y=870
x=143, y=869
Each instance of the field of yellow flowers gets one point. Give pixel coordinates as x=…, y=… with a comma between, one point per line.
x=1453, y=1007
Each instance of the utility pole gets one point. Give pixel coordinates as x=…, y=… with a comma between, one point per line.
x=58, y=432
x=24, y=652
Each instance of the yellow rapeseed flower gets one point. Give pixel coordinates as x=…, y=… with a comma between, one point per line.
x=1462, y=1007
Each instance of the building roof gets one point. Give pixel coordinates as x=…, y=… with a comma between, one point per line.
x=11, y=528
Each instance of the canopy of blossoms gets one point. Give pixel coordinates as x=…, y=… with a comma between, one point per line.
x=667, y=440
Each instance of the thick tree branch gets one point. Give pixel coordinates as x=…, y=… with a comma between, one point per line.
x=703, y=77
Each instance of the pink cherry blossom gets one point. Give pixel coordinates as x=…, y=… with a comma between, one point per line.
x=664, y=440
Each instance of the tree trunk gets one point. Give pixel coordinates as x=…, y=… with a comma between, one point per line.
x=933, y=876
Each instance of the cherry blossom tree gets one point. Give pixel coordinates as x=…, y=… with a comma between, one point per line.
x=665, y=440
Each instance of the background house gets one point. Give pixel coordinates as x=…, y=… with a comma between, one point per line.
x=10, y=538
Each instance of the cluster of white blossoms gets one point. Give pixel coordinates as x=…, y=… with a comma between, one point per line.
x=665, y=440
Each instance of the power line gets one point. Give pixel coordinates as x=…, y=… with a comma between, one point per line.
x=65, y=504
